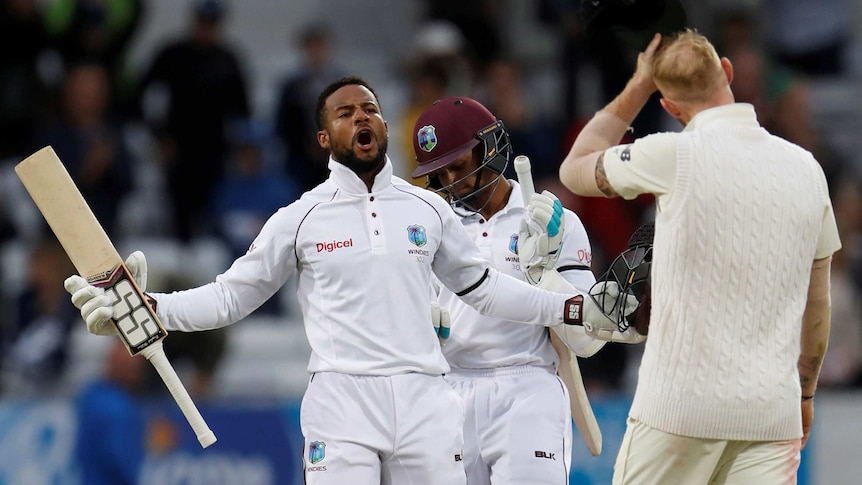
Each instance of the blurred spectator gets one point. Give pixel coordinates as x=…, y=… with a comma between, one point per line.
x=199, y=82
x=428, y=82
x=252, y=191
x=810, y=37
x=480, y=23
x=441, y=44
x=530, y=132
x=35, y=347
x=90, y=144
x=112, y=428
x=780, y=96
x=97, y=31
x=611, y=60
x=23, y=95
x=295, y=116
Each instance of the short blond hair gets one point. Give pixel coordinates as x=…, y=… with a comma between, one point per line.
x=686, y=67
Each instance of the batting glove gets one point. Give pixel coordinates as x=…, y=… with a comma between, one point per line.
x=441, y=322
x=599, y=313
x=540, y=235
x=97, y=308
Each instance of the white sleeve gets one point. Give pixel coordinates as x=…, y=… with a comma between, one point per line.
x=502, y=296
x=460, y=267
x=829, y=240
x=458, y=264
x=250, y=281
x=647, y=166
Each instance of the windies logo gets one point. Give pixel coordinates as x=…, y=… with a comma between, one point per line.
x=427, y=137
x=316, y=451
x=513, y=243
x=416, y=235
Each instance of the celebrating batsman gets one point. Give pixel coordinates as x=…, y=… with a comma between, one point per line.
x=364, y=245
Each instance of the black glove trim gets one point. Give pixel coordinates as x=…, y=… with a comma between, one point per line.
x=573, y=311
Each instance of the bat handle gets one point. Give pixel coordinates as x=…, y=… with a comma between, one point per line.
x=156, y=355
x=525, y=178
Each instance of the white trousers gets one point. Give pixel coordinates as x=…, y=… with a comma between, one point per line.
x=372, y=430
x=652, y=457
x=517, y=426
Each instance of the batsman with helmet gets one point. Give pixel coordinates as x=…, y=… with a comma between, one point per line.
x=517, y=416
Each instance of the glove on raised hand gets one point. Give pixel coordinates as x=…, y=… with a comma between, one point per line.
x=540, y=235
x=441, y=321
x=97, y=308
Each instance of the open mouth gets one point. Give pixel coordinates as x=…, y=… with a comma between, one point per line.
x=365, y=138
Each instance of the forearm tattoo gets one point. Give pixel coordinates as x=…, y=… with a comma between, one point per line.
x=602, y=178
x=809, y=370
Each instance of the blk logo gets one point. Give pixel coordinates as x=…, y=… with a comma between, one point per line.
x=545, y=454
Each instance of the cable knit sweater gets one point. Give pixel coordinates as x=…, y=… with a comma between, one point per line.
x=732, y=259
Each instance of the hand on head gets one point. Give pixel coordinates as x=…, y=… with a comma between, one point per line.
x=643, y=76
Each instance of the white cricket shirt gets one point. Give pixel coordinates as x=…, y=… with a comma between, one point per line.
x=364, y=261
x=480, y=342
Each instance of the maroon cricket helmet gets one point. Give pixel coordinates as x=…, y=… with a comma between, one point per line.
x=454, y=125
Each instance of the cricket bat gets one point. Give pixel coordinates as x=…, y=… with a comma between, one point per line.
x=568, y=370
x=96, y=259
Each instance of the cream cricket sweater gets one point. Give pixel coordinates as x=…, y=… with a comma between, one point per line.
x=732, y=259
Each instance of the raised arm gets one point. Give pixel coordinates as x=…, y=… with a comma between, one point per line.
x=582, y=170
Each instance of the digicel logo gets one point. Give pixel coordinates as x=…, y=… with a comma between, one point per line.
x=332, y=246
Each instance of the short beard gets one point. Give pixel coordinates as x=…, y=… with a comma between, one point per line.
x=346, y=157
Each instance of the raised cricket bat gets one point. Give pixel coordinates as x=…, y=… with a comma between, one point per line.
x=568, y=370
x=96, y=259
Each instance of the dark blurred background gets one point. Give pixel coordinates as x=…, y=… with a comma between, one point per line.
x=187, y=123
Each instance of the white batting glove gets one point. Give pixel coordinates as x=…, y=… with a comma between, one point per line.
x=540, y=235
x=605, y=296
x=441, y=322
x=96, y=307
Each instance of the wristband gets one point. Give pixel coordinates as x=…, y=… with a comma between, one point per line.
x=807, y=398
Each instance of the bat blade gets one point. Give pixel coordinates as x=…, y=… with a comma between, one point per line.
x=88, y=246
x=579, y=403
x=97, y=260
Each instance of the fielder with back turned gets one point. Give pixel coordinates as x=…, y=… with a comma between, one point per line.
x=744, y=236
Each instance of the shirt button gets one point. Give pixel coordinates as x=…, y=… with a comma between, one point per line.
x=371, y=198
x=373, y=214
x=481, y=221
x=376, y=232
x=484, y=234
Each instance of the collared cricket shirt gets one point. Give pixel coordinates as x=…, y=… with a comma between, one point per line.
x=364, y=261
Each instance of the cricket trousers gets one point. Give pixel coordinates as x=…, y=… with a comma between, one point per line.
x=404, y=429
x=652, y=457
